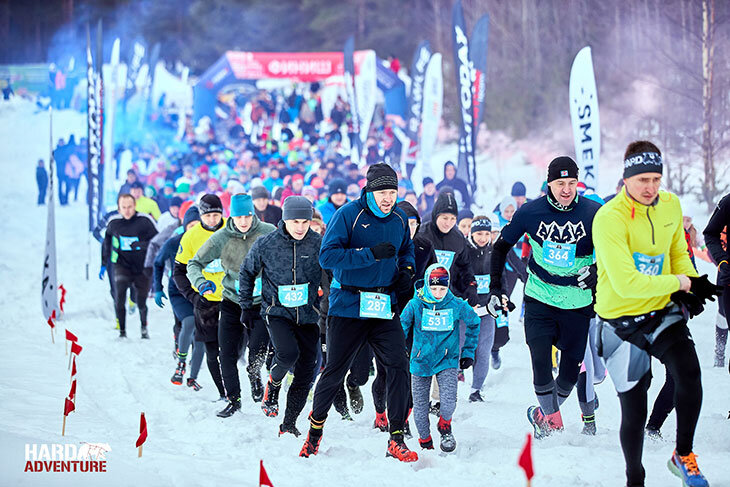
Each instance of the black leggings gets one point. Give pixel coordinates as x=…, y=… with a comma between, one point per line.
x=211, y=358
x=663, y=404
x=542, y=365
x=138, y=283
x=681, y=362
x=380, y=390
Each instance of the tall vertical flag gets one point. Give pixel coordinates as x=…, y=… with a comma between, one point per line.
x=433, y=102
x=101, y=209
x=93, y=136
x=110, y=194
x=349, y=77
x=49, y=289
x=415, y=100
x=466, y=168
x=584, y=115
x=478, y=56
x=366, y=87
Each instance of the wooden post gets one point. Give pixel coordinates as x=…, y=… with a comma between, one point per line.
x=53, y=340
x=139, y=453
x=63, y=431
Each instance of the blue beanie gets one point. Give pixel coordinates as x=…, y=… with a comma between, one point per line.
x=518, y=189
x=241, y=205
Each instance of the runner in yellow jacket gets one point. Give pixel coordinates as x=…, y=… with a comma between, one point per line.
x=646, y=287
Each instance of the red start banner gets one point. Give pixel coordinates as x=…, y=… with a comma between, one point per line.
x=302, y=66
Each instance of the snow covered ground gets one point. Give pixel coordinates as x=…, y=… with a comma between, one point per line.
x=189, y=445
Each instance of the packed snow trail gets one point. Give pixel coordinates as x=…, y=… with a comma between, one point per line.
x=189, y=445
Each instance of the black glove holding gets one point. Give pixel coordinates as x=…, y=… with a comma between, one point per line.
x=247, y=317
x=692, y=303
x=404, y=280
x=384, y=250
x=472, y=295
x=494, y=303
x=465, y=363
x=588, y=277
x=704, y=289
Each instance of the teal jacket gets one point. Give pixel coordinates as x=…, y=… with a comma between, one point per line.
x=434, y=351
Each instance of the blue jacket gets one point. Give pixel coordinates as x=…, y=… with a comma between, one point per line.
x=327, y=210
x=434, y=351
x=166, y=255
x=345, y=251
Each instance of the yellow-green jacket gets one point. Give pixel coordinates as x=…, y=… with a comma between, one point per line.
x=639, y=249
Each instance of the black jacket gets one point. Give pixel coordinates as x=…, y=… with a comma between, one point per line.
x=125, y=242
x=480, y=259
x=719, y=221
x=272, y=214
x=282, y=260
x=462, y=277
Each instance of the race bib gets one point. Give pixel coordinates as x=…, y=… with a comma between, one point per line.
x=125, y=243
x=214, y=267
x=256, y=287
x=294, y=295
x=649, y=264
x=483, y=283
x=437, y=320
x=445, y=258
x=375, y=305
x=558, y=254
x=502, y=320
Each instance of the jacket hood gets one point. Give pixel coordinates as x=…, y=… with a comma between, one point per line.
x=423, y=292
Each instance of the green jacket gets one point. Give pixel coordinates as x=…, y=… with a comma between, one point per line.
x=227, y=248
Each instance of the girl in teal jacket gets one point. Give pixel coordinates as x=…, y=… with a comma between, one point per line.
x=434, y=314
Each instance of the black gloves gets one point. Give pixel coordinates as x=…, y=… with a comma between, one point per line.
x=247, y=317
x=384, y=250
x=704, y=289
x=471, y=295
x=588, y=277
x=465, y=363
x=693, y=304
x=404, y=280
x=494, y=305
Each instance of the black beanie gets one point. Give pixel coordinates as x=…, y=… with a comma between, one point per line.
x=381, y=176
x=259, y=192
x=210, y=203
x=337, y=186
x=562, y=167
x=445, y=203
x=642, y=162
x=191, y=214
x=409, y=210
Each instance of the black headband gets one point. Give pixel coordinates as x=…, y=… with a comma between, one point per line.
x=642, y=162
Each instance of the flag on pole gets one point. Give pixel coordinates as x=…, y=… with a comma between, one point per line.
x=50, y=322
x=142, y=431
x=68, y=407
x=49, y=293
x=72, y=392
x=73, y=370
x=264, y=480
x=585, y=118
x=71, y=337
x=76, y=348
x=525, y=460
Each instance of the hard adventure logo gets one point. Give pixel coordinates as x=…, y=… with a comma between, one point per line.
x=57, y=457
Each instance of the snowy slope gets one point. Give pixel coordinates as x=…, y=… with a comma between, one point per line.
x=188, y=445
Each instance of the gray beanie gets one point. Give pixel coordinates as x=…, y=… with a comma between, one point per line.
x=296, y=208
x=259, y=192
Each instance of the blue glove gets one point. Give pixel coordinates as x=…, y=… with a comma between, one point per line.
x=205, y=287
x=102, y=271
x=159, y=295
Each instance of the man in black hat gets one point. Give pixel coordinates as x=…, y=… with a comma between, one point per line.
x=369, y=250
x=559, y=290
x=337, y=198
x=265, y=211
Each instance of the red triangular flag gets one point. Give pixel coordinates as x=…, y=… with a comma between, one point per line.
x=73, y=369
x=76, y=348
x=525, y=460
x=264, y=480
x=53, y=314
x=68, y=407
x=50, y=322
x=142, y=431
x=72, y=393
x=71, y=337
x=63, y=296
